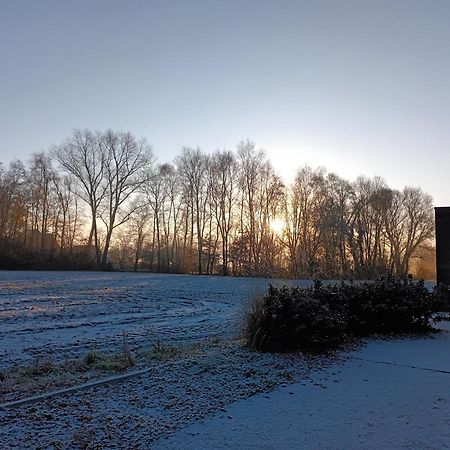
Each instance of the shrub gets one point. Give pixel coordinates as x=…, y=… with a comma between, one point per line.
x=290, y=318
x=319, y=317
x=389, y=305
x=442, y=293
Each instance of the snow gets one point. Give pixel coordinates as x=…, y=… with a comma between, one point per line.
x=64, y=314
x=215, y=394
x=360, y=404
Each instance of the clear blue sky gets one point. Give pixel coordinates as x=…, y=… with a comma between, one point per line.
x=361, y=87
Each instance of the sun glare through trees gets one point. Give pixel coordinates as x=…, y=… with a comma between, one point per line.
x=101, y=199
x=277, y=225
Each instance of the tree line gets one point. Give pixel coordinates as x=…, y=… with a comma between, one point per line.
x=101, y=200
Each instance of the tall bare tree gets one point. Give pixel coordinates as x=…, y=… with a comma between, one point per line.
x=409, y=224
x=223, y=180
x=84, y=157
x=126, y=162
x=205, y=214
x=191, y=165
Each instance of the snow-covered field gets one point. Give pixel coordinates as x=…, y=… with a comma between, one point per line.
x=64, y=314
x=212, y=394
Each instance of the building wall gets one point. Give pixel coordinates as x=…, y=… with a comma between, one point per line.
x=442, y=215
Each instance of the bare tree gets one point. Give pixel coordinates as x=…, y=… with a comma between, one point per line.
x=409, y=224
x=366, y=226
x=222, y=180
x=13, y=211
x=126, y=163
x=155, y=192
x=84, y=157
x=261, y=194
x=251, y=163
x=206, y=214
x=191, y=165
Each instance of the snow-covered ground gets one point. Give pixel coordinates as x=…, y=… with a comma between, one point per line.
x=64, y=314
x=214, y=394
x=388, y=395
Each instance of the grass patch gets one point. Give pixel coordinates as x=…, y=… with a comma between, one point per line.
x=43, y=374
x=162, y=351
x=106, y=363
x=110, y=363
x=39, y=368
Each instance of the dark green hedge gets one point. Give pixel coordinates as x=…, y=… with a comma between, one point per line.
x=323, y=316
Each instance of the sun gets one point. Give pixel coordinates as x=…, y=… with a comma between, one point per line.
x=277, y=225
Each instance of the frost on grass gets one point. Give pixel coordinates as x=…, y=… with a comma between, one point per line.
x=199, y=381
x=62, y=315
x=40, y=377
x=182, y=328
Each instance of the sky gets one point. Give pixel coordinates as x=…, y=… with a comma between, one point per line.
x=360, y=87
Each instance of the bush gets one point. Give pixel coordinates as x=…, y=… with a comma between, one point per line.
x=320, y=317
x=442, y=293
x=290, y=318
x=389, y=305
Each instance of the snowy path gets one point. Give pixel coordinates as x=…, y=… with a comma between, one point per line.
x=359, y=405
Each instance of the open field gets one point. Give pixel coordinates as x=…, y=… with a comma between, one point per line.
x=192, y=321
x=64, y=314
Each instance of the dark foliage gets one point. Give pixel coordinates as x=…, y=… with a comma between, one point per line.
x=320, y=317
x=16, y=257
x=443, y=297
x=389, y=305
x=290, y=318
